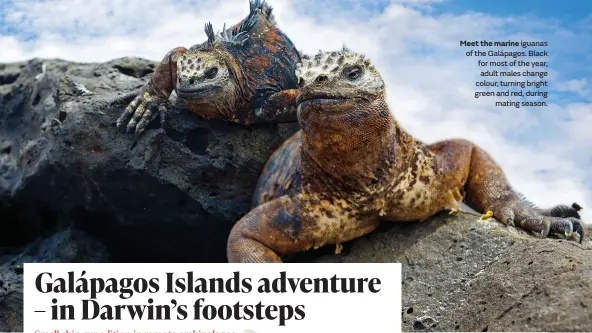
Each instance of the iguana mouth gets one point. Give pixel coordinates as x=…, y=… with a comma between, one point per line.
x=319, y=97
x=198, y=92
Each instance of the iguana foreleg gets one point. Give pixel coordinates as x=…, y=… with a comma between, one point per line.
x=487, y=189
x=285, y=226
x=153, y=96
x=266, y=233
x=278, y=107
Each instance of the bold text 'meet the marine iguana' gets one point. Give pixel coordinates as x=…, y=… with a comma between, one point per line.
x=514, y=73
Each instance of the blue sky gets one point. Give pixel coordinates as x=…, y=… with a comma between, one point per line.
x=564, y=11
x=574, y=15
x=546, y=152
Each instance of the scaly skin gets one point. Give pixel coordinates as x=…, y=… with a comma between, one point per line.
x=352, y=166
x=245, y=74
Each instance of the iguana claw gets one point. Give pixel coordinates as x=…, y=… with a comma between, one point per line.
x=139, y=112
x=538, y=224
x=569, y=228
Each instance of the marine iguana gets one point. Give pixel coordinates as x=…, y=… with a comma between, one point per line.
x=352, y=166
x=244, y=74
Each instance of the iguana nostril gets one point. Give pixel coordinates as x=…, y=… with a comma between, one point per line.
x=321, y=78
x=301, y=82
x=191, y=81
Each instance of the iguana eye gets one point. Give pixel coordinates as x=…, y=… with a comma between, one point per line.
x=352, y=73
x=211, y=73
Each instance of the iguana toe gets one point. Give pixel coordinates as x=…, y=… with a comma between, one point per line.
x=338, y=248
x=541, y=225
x=125, y=116
x=131, y=126
x=487, y=215
x=141, y=110
x=145, y=119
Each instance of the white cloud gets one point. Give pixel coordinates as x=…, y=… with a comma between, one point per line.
x=580, y=86
x=545, y=152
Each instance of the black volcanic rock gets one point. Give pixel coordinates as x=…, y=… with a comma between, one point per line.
x=68, y=246
x=172, y=196
x=463, y=274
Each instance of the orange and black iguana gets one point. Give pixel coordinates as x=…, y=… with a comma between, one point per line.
x=352, y=166
x=244, y=74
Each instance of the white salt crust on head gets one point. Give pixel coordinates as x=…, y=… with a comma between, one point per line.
x=332, y=65
x=195, y=64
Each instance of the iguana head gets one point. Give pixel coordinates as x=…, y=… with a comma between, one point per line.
x=203, y=75
x=342, y=112
x=338, y=86
x=208, y=75
x=223, y=74
x=338, y=83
